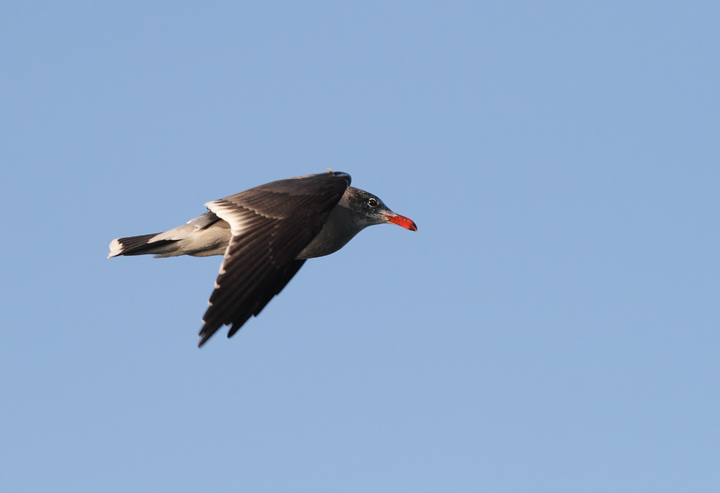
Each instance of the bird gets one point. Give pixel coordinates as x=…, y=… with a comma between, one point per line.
x=265, y=235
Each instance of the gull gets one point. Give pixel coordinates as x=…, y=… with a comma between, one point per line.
x=265, y=235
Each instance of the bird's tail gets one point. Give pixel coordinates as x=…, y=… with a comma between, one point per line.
x=141, y=245
x=205, y=235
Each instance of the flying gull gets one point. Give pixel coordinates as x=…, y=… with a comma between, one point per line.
x=265, y=235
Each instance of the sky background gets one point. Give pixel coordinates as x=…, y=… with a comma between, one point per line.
x=551, y=327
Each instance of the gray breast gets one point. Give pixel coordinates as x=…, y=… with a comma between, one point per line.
x=338, y=230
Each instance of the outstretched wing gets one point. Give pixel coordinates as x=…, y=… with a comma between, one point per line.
x=271, y=224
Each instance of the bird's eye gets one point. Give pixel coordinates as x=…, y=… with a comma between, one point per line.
x=372, y=202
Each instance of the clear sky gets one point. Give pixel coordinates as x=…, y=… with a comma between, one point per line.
x=551, y=327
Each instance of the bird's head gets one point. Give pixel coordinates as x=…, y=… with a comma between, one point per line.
x=369, y=210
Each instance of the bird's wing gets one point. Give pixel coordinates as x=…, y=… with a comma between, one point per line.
x=271, y=224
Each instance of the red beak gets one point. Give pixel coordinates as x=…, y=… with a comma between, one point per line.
x=401, y=221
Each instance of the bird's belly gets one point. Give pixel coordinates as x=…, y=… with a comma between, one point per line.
x=323, y=244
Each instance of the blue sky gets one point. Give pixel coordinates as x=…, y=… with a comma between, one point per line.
x=552, y=326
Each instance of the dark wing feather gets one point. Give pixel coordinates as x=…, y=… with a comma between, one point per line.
x=271, y=225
